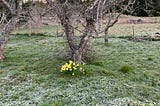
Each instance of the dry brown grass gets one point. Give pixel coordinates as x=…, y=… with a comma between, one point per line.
x=148, y=26
x=139, y=29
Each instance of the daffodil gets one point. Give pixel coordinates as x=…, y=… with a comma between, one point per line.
x=77, y=65
x=66, y=64
x=62, y=68
x=74, y=68
x=66, y=68
x=83, y=70
x=74, y=64
x=69, y=66
x=70, y=62
x=70, y=69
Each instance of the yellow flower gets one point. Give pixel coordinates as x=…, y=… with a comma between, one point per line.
x=70, y=62
x=69, y=66
x=74, y=68
x=74, y=64
x=62, y=68
x=66, y=64
x=77, y=65
x=70, y=69
x=66, y=68
x=83, y=70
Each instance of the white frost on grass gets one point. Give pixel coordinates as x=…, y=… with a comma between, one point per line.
x=87, y=92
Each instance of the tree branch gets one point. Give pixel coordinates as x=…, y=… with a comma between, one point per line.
x=6, y=4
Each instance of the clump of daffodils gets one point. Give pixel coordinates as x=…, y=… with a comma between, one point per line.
x=72, y=68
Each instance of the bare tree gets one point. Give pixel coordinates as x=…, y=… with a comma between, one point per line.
x=13, y=7
x=110, y=11
x=65, y=10
x=92, y=12
x=18, y=13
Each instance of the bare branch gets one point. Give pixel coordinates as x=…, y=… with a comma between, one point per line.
x=7, y=5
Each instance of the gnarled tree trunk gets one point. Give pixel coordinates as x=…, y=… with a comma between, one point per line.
x=65, y=11
x=85, y=41
x=5, y=34
x=106, y=39
x=13, y=8
x=78, y=50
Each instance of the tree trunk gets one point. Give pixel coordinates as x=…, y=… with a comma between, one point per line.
x=5, y=35
x=76, y=50
x=106, y=39
x=77, y=56
x=84, y=42
x=69, y=31
x=29, y=28
x=1, y=56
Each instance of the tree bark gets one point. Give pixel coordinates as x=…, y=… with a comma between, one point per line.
x=84, y=42
x=77, y=50
x=77, y=56
x=68, y=29
x=5, y=35
x=106, y=39
x=65, y=18
x=1, y=56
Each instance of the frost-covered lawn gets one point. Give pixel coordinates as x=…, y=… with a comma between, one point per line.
x=31, y=75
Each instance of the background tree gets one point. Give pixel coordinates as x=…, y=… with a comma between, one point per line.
x=15, y=13
x=153, y=6
x=92, y=13
x=89, y=14
x=13, y=8
x=146, y=8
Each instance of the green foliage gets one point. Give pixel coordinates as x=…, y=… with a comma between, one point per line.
x=150, y=58
x=126, y=68
x=89, y=69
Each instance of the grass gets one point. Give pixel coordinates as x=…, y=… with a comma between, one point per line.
x=125, y=68
x=31, y=75
x=47, y=30
x=139, y=29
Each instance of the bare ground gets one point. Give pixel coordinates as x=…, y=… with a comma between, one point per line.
x=140, y=25
x=125, y=25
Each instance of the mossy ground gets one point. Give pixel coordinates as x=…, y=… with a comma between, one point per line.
x=30, y=74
